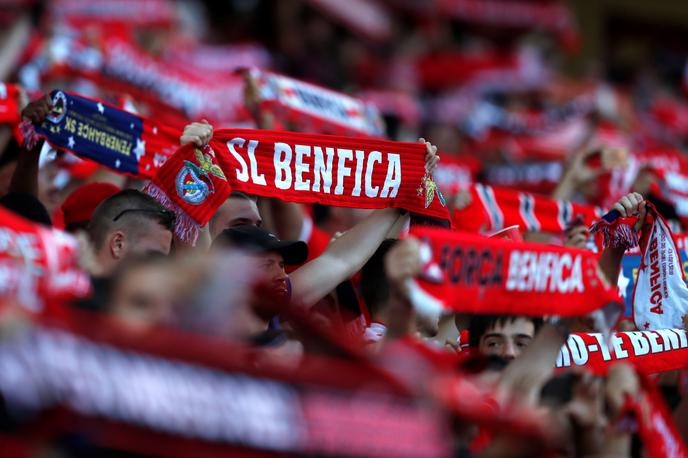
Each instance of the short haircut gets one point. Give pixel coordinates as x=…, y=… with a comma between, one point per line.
x=374, y=284
x=478, y=325
x=131, y=209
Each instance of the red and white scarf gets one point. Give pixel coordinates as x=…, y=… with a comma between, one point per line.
x=38, y=264
x=342, y=171
x=473, y=274
x=316, y=109
x=650, y=352
x=492, y=209
x=660, y=295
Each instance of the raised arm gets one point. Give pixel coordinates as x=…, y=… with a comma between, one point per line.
x=346, y=255
x=25, y=176
x=610, y=260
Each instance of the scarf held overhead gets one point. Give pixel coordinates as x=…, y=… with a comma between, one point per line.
x=295, y=167
x=474, y=274
x=660, y=294
x=117, y=139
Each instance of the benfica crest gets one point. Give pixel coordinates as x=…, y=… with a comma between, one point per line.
x=428, y=188
x=194, y=181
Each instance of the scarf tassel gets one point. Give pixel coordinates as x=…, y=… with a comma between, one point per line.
x=618, y=233
x=185, y=228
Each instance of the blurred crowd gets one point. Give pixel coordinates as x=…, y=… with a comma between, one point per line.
x=299, y=328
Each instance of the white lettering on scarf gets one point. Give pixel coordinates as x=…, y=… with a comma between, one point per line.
x=544, y=272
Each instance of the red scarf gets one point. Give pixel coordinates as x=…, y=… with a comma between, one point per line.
x=473, y=274
x=660, y=294
x=9, y=104
x=651, y=352
x=492, y=209
x=316, y=109
x=351, y=172
x=38, y=264
x=656, y=428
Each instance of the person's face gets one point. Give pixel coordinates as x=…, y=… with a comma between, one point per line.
x=156, y=239
x=271, y=268
x=236, y=211
x=507, y=340
x=141, y=299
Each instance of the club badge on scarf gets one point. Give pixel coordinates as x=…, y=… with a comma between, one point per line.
x=38, y=264
x=307, y=168
x=119, y=140
x=474, y=274
x=316, y=109
x=660, y=295
x=651, y=352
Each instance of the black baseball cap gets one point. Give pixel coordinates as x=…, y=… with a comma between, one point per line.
x=255, y=238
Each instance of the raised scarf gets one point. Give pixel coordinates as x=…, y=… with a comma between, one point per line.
x=38, y=264
x=151, y=394
x=660, y=294
x=314, y=108
x=492, y=209
x=308, y=168
x=91, y=129
x=470, y=273
x=650, y=352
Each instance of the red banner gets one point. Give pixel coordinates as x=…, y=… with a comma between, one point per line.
x=650, y=352
x=474, y=274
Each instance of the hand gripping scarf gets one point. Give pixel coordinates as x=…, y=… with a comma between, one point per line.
x=38, y=264
x=650, y=352
x=117, y=139
x=660, y=295
x=492, y=209
x=316, y=109
x=341, y=171
x=473, y=274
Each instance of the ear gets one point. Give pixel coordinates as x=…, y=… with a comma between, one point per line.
x=118, y=245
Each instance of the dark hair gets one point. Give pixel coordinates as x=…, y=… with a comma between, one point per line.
x=480, y=324
x=374, y=285
x=126, y=210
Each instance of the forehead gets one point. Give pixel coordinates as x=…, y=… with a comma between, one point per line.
x=513, y=327
x=236, y=207
x=269, y=256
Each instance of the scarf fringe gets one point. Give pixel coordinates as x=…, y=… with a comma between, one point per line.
x=617, y=234
x=184, y=227
x=28, y=130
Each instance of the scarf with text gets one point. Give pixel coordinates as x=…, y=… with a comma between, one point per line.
x=492, y=209
x=473, y=274
x=303, y=413
x=316, y=109
x=117, y=139
x=660, y=294
x=307, y=168
x=38, y=265
x=650, y=352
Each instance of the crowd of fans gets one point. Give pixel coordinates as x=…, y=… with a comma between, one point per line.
x=319, y=296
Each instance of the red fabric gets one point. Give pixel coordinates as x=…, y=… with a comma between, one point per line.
x=317, y=242
x=38, y=264
x=80, y=204
x=9, y=104
x=656, y=427
x=361, y=172
x=650, y=352
x=476, y=274
x=492, y=208
x=312, y=108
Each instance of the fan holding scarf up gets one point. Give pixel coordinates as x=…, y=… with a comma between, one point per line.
x=660, y=296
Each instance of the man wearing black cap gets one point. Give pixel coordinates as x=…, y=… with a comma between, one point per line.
x=313, y=281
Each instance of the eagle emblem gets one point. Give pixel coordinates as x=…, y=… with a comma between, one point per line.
x=194, y=182
x=429, y=188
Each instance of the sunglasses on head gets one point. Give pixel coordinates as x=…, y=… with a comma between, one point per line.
x=165, y=215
